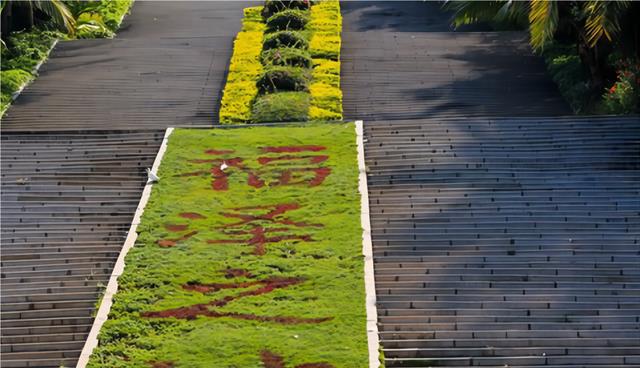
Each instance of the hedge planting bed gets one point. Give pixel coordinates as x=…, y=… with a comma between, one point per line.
x=249, y=255
x=286, y=64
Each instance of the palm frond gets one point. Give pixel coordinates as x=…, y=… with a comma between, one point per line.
x=543, y=22
x=603, y=19
x=58, y=11
x=469, y=12
x=516, y=11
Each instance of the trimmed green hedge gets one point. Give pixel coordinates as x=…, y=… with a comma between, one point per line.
x=282, y=107
x=285, y=39
x=284, y=78
x=290, y=19
x=287, y=56
x=274, y=6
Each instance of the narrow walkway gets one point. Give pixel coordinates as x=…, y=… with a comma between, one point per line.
x=166, y=67
x=499, y=242
x=75, y=146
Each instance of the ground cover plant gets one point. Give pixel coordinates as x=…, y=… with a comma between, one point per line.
x=286, y=64
x=244, y=69
x=249, y=255
x=25, y=45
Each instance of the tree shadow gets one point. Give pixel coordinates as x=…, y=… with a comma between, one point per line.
x=400, y=16
x=533, y=217
x=449, y=74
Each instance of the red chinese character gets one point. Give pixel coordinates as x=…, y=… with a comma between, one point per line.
x=178, y=228
x=268, y=226
x=220, y=168
x=271, y=360
x=287, y=169
x=247, y=289
x=258, y=226
x=306, y=171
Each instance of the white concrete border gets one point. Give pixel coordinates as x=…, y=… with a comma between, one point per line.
x=367, y=251
x=112, y=286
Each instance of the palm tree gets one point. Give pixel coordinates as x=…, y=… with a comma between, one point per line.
x=596, y=27
x=56, y=10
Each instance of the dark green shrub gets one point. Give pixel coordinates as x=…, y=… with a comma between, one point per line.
x=278, y=107
x=274, y=6
x=283, y=78
x=569, y=74
x=286, y=56
x=291, y=19
x=285, y=39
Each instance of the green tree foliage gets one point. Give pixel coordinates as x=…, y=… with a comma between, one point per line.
x=26, y=14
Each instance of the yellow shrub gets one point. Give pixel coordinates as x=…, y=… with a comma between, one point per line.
x=244, y=69
x=325, y=45
x=326, y=17
x=326, y=102
x=326, y=26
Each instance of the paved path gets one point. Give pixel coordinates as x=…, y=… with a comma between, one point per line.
x=501, y=242
x=74, y=149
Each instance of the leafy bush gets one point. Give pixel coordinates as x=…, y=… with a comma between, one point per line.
x=285, y=39
x=279, y=107
x=24, y=52
x=98, y=19
x=12, y=81
x=624, y=96
x=283, y=78
x=27, y=49
x=274, y=6
x=290, y=19
x=567, y=71
x=244, y=69
x=286, y=56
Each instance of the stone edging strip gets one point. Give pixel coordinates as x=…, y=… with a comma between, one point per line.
x=112, y=286
x=367, y=251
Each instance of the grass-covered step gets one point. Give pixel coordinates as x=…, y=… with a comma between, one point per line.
x=279, y=107
x=280, y=39
x=287, y=56
x=272, y=7
x=248, y=255
x=282, y=78
x=290, y=19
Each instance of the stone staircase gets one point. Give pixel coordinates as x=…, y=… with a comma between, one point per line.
x=68, y=199
x=507, y=242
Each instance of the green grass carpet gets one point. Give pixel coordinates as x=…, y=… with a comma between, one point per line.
x=261, y=262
